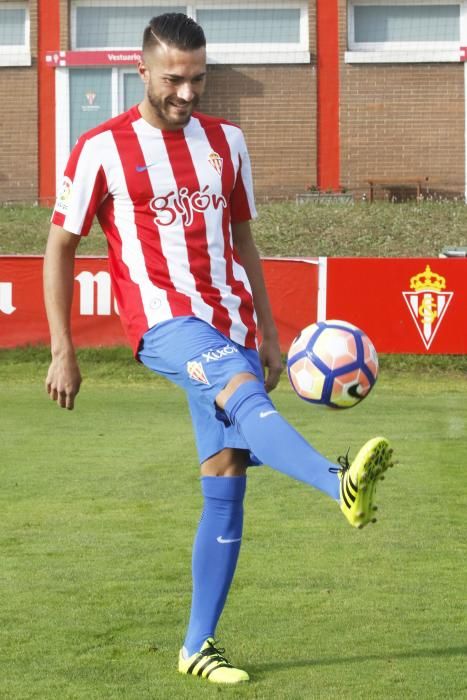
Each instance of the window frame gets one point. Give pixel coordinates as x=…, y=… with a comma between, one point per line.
x=404, y=51
x=17, y=54
x=228, y=54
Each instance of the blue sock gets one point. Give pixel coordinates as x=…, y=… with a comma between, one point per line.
x=275, y=442
x=215, y=555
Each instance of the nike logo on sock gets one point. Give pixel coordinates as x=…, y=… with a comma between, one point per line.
x=264, y=414
x=221, y=540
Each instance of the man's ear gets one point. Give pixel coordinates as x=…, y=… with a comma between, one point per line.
x=143, y=71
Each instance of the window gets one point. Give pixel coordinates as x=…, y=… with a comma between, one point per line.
x=274, y=31
x=14, y=34
x=250, y=26
x=114, y=26
x=404, y=31
x=270, y=33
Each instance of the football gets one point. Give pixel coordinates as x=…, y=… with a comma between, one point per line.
x=332, y=363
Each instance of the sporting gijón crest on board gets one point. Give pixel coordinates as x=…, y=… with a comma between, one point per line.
x=427, y=302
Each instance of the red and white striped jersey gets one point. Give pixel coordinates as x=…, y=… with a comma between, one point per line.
x=166, y=201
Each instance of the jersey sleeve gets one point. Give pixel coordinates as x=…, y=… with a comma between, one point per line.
x=83, y=190
x=242, y=200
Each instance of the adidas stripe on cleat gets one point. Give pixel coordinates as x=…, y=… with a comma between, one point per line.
x=358, y=481
x=211, y=664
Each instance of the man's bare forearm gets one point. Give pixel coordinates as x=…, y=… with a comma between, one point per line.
x=63, y=378
x=58, y=287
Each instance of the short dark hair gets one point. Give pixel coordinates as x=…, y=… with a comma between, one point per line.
x=174, y=29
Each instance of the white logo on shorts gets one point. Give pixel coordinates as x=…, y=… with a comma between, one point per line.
x=219, y=353
x=196, y=371
x=265, y=414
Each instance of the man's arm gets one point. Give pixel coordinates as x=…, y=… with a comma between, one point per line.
x=63, y=378
x=269, y=351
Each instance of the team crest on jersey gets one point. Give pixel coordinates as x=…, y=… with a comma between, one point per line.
x=64, y=196
x=196, y=371
x=216, y=162
x=427, y=302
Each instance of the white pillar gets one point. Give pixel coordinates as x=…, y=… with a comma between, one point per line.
x=322, y=288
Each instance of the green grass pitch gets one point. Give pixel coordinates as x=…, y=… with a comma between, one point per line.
x=98, y=511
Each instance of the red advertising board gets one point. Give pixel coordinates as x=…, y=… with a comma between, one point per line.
x=292, y=284
x=22, y=313
x=405, y=305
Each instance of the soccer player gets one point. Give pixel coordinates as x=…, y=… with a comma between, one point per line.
x=172, y=190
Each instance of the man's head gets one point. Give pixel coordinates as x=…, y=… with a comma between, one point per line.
x=173, y=69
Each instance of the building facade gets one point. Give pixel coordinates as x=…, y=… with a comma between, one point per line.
x=330, y=93
x=402, y=91
x=18, y=102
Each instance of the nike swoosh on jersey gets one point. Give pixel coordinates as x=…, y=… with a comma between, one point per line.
x=221, y=540
x=142, y=168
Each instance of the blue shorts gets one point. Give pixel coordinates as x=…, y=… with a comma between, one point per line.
x=201, y=360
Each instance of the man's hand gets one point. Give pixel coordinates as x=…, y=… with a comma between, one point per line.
x=63, y=381
x=271, y=360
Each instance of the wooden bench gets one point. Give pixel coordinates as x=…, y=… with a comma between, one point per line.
x=394, y=183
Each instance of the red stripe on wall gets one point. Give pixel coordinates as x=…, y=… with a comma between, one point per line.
x=48, y=40
x=327, y=29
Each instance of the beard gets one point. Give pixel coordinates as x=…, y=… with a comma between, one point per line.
x=164, y=109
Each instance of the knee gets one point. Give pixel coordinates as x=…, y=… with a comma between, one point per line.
x=233, y=384
x=227, y=462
